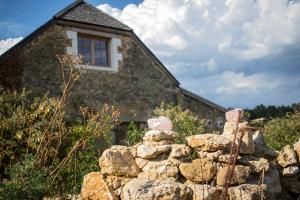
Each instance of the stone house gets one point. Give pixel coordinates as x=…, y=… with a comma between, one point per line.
x=120, y=70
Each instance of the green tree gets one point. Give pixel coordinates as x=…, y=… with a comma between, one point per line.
x=185, y=122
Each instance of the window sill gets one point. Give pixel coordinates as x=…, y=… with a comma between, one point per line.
x=99, y=68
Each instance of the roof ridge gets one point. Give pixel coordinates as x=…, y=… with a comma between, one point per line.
x=68, y=8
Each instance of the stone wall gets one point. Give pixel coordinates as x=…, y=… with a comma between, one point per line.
x=158, y=169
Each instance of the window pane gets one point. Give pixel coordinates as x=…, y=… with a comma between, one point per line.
x=101, y=57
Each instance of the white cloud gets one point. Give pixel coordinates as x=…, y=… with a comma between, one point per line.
x=213, y=40
x=7, y=43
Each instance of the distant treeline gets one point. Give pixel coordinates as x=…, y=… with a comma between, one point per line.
x=269, y=112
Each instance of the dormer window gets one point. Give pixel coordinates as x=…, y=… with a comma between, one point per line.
x=94, y=50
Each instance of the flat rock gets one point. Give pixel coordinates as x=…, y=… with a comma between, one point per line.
x=180, y=150
x=118, y=160
x=203, y=191
x=151, y=142
x=246, y=192
x=156, y=135
x=247, y=144
x=210, y=155
x=140, y=189
x=160, y=124
x=199, y=170
x=287, y=157
x=290, y=171
x=94, y=187
x=149, y=151
x=240, y=175
x=160, y=170
x=257, y=165
x=208, y=142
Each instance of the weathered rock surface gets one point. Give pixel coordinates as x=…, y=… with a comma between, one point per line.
x=203, y=191
x=160, y=170
x=290, y=171
x=95, y=188
x=261, y=148
x=257, y=165
x=246, y=192
x=247, y=144
x=272, y=180
x=210, y=155
x=180, y=150
x=235, y=115
x=287, y=157
x=140, y=189
x=156, y=135
x=118, y=160
x=297, y=149
x=240, y=175
x=199, y=170
x=208, y=142
x=141, y=162
x=160, y=124
x=116, y=182
x=292, y=184
x=149, y=151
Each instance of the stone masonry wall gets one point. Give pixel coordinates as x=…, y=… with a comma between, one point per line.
x=158, y=169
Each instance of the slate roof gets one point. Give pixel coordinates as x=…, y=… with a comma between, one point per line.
x=80, y=11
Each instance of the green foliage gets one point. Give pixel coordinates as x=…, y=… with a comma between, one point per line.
x=134, y=134
x=35, y=170
x=283, y=131
x=185, y=122
x=26, y=182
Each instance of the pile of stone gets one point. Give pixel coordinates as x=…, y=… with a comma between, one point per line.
x=158, y=169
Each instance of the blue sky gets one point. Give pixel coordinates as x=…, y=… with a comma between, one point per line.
x=237, y=53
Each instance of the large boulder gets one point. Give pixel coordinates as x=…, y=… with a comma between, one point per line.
x=149, y=151
x=246, y=192
x=180, y=150
x=235, y=115
x=159, y=170
x=140, y=189
x=239, y=176
x=118, y=160
x=208, y=142
x=160, y=124
x=199, y=170
x=287, y=157
x=94, y=187
x=247, y=143
x=203, y=191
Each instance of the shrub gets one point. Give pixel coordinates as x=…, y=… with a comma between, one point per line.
x=283, y=131
x=185, y=122
x=134, y=134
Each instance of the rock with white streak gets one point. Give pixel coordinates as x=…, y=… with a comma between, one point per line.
x=160, y=124
x=149, y=151
x=290, y=171
x=140, y=189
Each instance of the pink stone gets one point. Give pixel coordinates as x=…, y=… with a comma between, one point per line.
x=160, y=124
x=235, y=115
